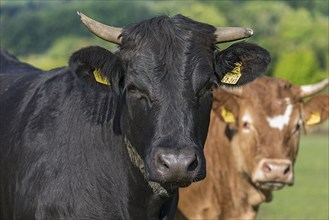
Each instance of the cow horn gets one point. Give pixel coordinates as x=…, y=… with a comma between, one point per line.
x=308, y=90
x=106, y=32
x=226, y=34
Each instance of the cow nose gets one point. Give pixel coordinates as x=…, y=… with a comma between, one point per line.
x=274, y=170
x=273, y=174
x=169, y=163
x=178, y=167
x=277, y=170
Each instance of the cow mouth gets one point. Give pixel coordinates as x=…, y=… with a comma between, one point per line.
x=175, y=185
x=172, y=187
x=181, y=183
x=270, y=186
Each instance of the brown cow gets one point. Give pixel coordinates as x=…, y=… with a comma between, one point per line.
x=251, y=147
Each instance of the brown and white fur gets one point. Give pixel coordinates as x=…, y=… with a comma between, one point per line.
x=251, y=147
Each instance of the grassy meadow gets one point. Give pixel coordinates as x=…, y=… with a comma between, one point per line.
x=309, y=197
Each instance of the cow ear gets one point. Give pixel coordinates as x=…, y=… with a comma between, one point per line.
x=225, y=106
x=316, y=110
x=241, y=63
x=97, y=67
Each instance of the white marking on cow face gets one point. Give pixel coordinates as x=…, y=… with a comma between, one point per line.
x=280, y=121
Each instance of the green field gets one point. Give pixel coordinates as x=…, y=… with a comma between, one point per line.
x=309, y=197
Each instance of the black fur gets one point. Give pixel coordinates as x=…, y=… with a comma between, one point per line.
x=11, y=65
x=63, y=150
x=254, y=60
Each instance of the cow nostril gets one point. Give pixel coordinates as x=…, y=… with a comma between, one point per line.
x=286, y=170
x=164, y=164
x=267, y=168
x=194, y=164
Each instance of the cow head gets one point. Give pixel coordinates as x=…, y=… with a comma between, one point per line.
x=169, y=67
x=264, y=120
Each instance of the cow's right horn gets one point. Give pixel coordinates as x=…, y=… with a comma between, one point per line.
x=308, y=90
x=226, y=34
x=106, y=32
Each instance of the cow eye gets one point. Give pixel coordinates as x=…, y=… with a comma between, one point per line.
x=297, y=128
x=134, y=91
x=246, y=125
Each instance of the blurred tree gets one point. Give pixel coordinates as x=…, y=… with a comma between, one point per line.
x=203, y=13
x=291, y=30
x=34, y=30
x=299, y=66
x=314, y=6
x=196, y=10
x=284, y=31
x=303, y=47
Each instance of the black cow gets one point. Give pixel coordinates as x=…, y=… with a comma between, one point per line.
x=10, y=64
x=114, y=135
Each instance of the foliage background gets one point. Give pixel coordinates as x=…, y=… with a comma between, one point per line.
x=296, y=32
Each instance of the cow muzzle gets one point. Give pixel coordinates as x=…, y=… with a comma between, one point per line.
x=176, y=168
x=273, y=174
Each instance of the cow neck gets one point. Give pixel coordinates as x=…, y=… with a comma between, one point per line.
x=256, y=196
x=138, y=162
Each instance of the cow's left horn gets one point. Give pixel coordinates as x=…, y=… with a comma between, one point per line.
x=106, y=32
x=226, y=34
x=308, y=90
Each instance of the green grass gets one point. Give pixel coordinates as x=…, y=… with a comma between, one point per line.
x=309, y=197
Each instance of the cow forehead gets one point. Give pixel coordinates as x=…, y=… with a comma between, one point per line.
x=169, y=52
x=167, y=31
x=276, y=114
x=271, y=102
x=172, y=74
x=157, y=67
x=281, y=120
x=168, y=39
x=268, y=94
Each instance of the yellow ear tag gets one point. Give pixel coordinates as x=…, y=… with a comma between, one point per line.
x=233, y=76
x=313, y=119
x=100, y=78
x=227, y=116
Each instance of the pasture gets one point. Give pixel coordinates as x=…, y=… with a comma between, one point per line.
x=309, y=197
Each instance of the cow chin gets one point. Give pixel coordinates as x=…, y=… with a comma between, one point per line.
x=170, y=185
x=173, y=183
